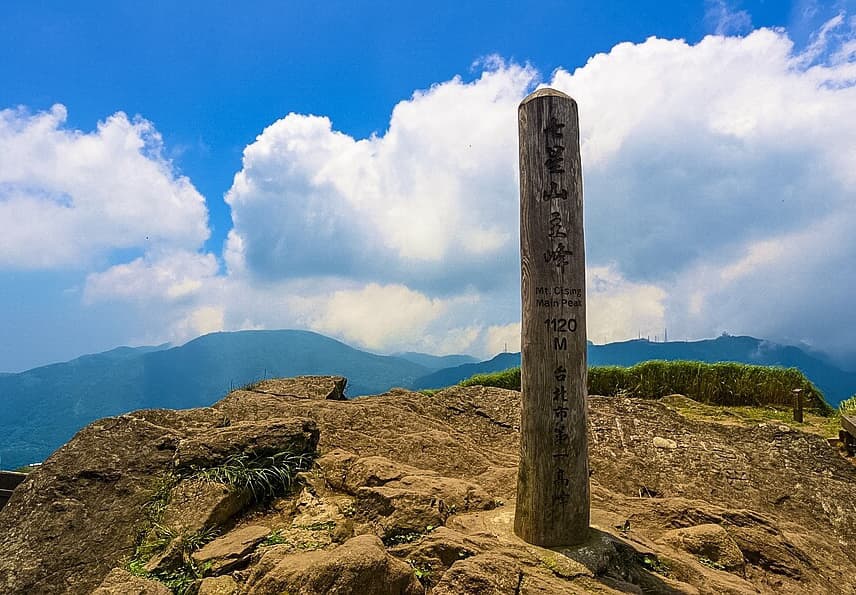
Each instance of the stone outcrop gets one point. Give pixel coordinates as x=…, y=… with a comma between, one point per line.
x=197, y=505
x=416, y=502
x=304, y=387
x=122, y=582
x=78, y=516
x=710, y=542
x=414, y=493
x=213, y=446
x=219, y=585
x=359, y=566
x=232, y=550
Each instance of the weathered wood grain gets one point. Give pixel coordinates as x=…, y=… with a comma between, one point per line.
x=553, y=478
x=848, y=423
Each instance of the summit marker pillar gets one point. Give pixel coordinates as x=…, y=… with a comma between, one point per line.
x=553, y=498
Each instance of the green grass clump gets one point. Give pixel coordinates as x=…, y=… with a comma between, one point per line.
x=265, y=477
x=180, y=579
x=509, y=379
x=724, y=383
x=275, y=538
x=848, y=406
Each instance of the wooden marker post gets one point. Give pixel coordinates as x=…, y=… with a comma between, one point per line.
x=553, y=478
x=798, y=405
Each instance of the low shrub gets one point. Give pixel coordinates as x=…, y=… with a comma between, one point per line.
x=509, y=379
x=724, y=383
x=265, y=477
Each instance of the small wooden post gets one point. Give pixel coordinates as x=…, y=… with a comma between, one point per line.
x=798, y=405
x=553, y=476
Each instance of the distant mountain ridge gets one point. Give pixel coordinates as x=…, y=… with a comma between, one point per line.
x=436, y=362
x=449, y=376
x=43, y=407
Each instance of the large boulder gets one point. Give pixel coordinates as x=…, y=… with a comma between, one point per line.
x=232, y=550
x=417, y=503
x=122, y=582
x=710, y=542
x=304, y=387
x=213, y=446
x=74, y=518
x=348, y=472
x=195, y=505
x=360, y=566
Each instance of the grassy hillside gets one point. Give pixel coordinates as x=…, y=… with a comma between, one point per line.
x=725, y=384
x=835, y=383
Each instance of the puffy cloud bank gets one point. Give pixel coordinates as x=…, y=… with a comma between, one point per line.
x=719, y=177
x=720, y=182
x=68, y=198
x=430, y=203
x=725, y=174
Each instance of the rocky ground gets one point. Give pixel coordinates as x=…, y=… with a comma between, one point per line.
x=406, y=493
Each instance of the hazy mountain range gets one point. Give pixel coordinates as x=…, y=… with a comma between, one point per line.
x=42, y=408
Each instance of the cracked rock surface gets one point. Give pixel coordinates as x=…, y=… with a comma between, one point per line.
x=413, y=493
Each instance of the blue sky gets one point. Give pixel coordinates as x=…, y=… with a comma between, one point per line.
x=135, y=138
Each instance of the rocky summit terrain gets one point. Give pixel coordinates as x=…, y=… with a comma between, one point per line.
x=406, y=493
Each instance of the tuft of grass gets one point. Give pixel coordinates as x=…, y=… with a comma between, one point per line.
x=275, y=538
x=265, y=477
x=723, y=383
x=848, y=406
x=400, y=537
x=319, y=526
x=653, y=564
x=422, y=572
x=710, y=563
x=250, y=386
x=155, y=507
x=550, y=563
x=814, y=422
x=180, y=579
x=508, y=379
x=147, y=542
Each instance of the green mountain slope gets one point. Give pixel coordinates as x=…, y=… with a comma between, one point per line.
x=436, y=362
x=449, y=376
x=42, y=408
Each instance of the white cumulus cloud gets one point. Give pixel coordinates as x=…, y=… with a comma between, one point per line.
x=619, y=309
x=69, y=197
x=433, y=201
x=377, y=316
x=178, y=275
x=722, y=173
